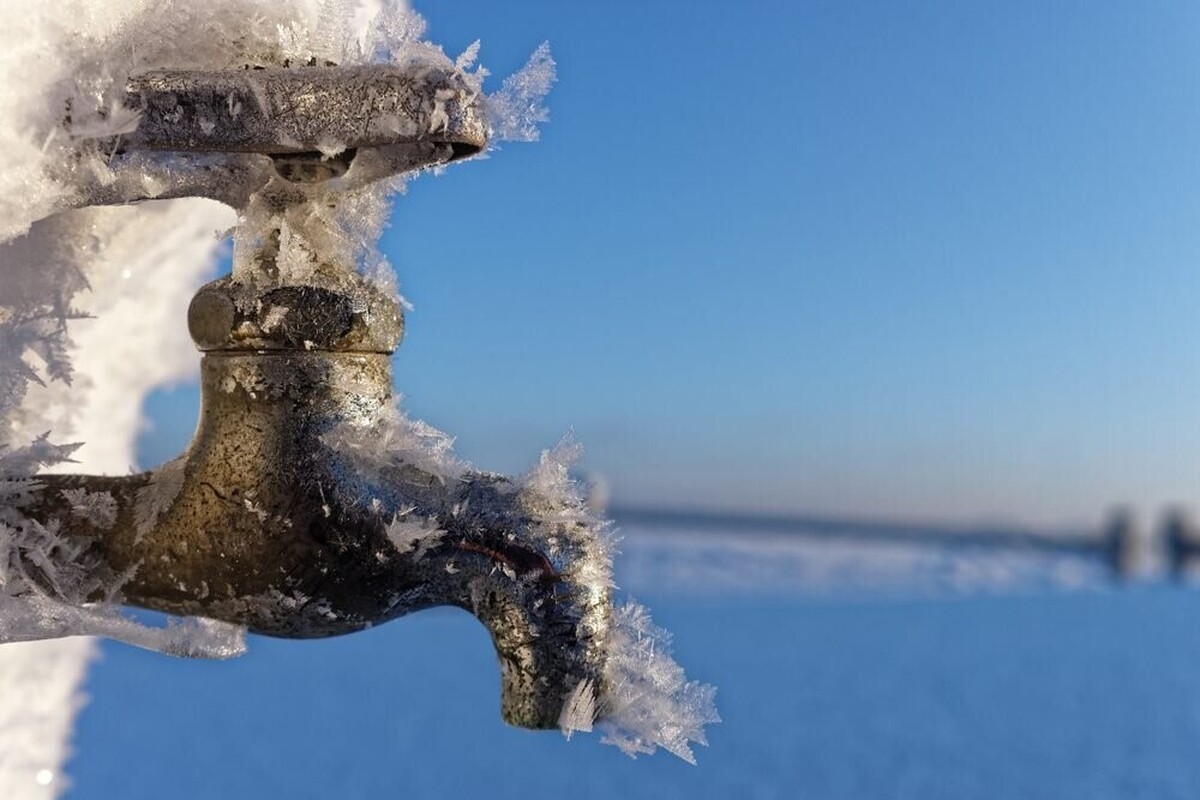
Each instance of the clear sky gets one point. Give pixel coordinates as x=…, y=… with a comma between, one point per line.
x=922, y=259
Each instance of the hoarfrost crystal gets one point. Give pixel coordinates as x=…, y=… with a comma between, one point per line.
x=517, y=109
x=650, y=702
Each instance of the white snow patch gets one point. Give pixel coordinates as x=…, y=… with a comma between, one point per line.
x=95, y=371
x=39, y=682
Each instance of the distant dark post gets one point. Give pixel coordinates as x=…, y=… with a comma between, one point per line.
x=1122, y=543
x=1180, y=542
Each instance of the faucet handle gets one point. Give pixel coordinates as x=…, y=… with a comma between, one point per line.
x=326, y=110
x=226, y=134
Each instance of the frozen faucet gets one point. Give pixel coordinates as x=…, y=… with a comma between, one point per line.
x=268, y=520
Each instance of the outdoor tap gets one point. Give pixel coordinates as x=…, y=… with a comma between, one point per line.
x=280, y=516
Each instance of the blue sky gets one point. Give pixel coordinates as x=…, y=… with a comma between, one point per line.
x=931, y=259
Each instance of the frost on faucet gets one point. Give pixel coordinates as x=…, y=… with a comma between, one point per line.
x=640, y=699
x=51, y=585
x=308, y=504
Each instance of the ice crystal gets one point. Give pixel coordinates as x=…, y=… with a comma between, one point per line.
x=467, y=58
x=156, y=497
x=389, y=437
x=648, y=701
x=551, y=482
x=98, y=508
x=518, y=109
x=416, y=535
x=579, y=711
x=40, y=617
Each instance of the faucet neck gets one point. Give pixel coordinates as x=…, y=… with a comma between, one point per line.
x=277, y=406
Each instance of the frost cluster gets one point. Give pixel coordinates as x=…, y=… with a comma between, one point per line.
x=649, y=702
x=517, y=110
x=414, y=534
x=558, y=507
x=52, y=584
x=645, y=702
x=389, y=436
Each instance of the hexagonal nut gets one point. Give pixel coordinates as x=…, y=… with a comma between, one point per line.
x=225, y=315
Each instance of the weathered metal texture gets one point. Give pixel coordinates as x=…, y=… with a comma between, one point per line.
x=303, y=109
x=226, y=135
x=264, y=523
x=265, y=520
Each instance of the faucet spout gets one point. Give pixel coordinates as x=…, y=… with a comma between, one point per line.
x=540, y=585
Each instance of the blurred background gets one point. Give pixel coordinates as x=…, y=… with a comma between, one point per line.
x=869, y=316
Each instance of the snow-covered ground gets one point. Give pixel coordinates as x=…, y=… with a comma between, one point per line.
x=745, y=560
x=1032, y=693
